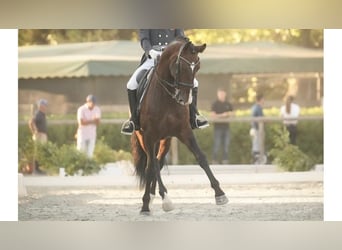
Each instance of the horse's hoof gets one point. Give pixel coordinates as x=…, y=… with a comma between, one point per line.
x=145, y=213
x=167, y=204
x=221, y=200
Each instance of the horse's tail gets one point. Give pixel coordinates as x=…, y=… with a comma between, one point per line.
x=139, y=160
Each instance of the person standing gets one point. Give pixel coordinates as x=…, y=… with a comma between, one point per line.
x=149, y=39
x=88, y=118
x=290, y=110
x=256, y=133
x=38, y=127
x=221, y=108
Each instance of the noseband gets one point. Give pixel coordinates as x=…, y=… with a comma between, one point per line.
x=177, y=83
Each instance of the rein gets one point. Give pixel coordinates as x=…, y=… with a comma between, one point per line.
x=161, y=81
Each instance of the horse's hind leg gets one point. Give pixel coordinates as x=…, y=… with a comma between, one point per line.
x=167, y=204
x=191, y=143
x=164, y=147
x=153, y=172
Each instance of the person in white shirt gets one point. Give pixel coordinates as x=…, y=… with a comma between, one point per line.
x=88, y=118
x=290, y=110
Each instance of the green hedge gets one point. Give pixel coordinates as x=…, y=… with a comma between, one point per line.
x=64, y=134
x=309, y=140
x=287, y=156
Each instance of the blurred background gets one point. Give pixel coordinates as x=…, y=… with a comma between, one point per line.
x=65, y=65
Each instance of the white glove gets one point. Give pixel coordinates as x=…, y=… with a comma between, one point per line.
x=154, y=53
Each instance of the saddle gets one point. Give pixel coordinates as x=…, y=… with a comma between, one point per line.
x=143, y=79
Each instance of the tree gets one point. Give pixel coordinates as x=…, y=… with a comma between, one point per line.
x=57, y=36
x=312, y=38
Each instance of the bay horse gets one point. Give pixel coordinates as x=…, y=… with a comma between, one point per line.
x=164, y=113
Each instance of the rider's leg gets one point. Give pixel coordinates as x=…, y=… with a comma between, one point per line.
x=195, y=121
x=133, y=123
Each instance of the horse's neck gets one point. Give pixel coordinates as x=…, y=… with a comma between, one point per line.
x=159, y=91
x=157, y=97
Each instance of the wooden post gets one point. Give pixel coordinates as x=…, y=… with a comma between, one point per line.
x=318, y=88
x=31, y=110
x=262, y=139
x=174, y=151
x=21, y=186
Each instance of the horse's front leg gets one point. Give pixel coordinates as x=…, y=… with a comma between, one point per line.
x=163, y=147
x=154, y=184
x=189, y=140
x=150, y=175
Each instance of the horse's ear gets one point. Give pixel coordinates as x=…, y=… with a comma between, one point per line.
x=201, y=48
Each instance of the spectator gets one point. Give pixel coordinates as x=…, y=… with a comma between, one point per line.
x=290, y=110
x=221, y=108
x=38, y=127
x=257, y=111
x=88, y=118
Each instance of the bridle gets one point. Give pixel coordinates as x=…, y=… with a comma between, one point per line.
x=177, y=83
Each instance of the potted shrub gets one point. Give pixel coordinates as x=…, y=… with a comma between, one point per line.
x=26, y=157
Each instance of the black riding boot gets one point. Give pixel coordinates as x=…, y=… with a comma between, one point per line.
x=132, y=124
x=195, y=121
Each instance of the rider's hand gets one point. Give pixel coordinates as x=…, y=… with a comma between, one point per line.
x=154, y=53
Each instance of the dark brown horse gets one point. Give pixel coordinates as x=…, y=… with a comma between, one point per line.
x=164, y=114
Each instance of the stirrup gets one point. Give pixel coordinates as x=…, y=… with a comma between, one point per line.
x=204, y=120
x=125, y=129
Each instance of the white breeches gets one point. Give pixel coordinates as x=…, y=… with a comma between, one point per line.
x=132, y=83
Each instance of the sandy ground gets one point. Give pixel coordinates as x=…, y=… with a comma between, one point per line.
x=296, y=197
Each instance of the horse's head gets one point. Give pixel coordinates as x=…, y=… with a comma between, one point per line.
x=177, y=68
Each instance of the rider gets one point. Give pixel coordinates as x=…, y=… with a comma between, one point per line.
x=148, y=39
